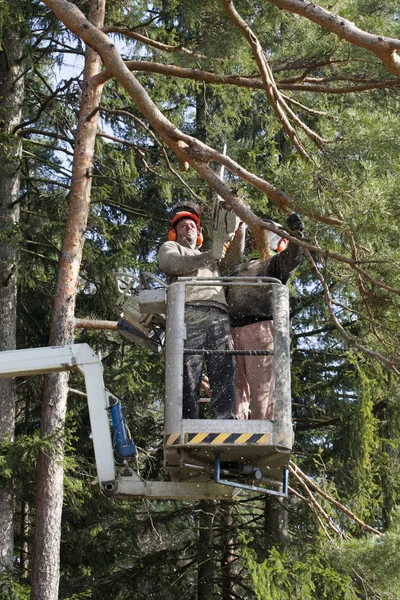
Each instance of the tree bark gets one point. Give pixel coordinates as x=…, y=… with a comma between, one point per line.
x=228, y=554
x=205, y=552
x=24, y=550
x=276, y=521
x=46, y=559
x=11, y=99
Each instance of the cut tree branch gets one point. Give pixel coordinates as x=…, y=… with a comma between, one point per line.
x=383, y=47
x=148, y=41
x=250, y=82
x=96, y=324
x=294, y=469
x=313, y=510
x=277, y=103
x=315, y=504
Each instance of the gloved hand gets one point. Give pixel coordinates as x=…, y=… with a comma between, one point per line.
x=294, y=222
x=218, y=249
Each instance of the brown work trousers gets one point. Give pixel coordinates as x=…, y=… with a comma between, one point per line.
x=254, y=375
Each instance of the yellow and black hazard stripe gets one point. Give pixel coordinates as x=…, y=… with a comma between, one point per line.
x=227, y=438
x=172, y=439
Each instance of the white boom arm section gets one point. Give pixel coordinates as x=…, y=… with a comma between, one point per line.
x=53, y=359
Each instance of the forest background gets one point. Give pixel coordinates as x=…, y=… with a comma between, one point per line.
x=307, y=103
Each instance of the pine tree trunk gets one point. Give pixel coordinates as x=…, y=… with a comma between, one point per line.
x=276, y=521
x=11, y=99
x=24, y=551
x=205, y=552
x=228, y=555
x=46, y=555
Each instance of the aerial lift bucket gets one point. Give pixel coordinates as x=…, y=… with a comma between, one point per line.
x=199, y=450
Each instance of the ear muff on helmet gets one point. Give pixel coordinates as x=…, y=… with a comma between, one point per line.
x=171, y=235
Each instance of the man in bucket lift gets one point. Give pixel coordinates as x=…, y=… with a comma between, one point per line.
x=206, y=311
x=250, y=312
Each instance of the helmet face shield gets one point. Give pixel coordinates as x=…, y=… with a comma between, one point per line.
x=185, y=207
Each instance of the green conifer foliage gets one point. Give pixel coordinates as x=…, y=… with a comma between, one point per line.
x=345, y=402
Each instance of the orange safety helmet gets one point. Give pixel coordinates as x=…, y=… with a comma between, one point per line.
x=185, y=210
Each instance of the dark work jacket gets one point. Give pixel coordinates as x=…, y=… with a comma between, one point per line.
x=247, y=304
